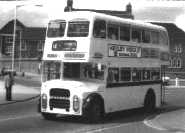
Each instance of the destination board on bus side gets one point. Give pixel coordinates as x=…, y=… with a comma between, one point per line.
x=123, y=51
x=67, y=56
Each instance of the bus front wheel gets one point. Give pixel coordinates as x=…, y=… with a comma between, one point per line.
x=95, y=113
x=48, y=116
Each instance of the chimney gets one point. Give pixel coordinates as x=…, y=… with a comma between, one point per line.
x=69, y=6
x=129, y=8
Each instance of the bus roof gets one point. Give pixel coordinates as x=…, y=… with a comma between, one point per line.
x=68, y=16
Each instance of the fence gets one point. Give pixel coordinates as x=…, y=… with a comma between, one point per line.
x=177, y=82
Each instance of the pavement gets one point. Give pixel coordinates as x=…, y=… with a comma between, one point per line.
x=25, y=88
x=173, y=121
x=172, y=115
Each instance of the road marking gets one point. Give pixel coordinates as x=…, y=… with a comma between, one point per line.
x=149, y=123
x=106, y=128
x=19, y=117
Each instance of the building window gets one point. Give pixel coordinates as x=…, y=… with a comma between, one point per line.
x=175, y=63
x=178, y=48
x=175, y=49
x=40, y=45
x=9, y=50
x=8, y=44
x=9, y=39
x=178, y=65
x=23, y=45
x=171, y=60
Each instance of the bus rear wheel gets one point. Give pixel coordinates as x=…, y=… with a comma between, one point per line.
x=149, y=102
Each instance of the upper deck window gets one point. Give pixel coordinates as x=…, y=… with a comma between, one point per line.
x=78, y=29
x=56, y=28
x=99, y=30
x=146, y=36
x=113, y=32
x=163, y=38
x=124, y=33
x=155, y=37
x=136, y=35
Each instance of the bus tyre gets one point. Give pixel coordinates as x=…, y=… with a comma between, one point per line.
x=48, y=116
x=149, y=102
x=95, y=112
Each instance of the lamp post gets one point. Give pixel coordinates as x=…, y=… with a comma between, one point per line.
x=14, y=36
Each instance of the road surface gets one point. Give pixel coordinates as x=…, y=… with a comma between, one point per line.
x=22, y=117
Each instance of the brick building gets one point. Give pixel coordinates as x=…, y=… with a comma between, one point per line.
x=177, y=49
x=123, y=14
x=28, y=46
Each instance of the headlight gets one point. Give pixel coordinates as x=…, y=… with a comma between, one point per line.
x=44, y=101
x=76, y=103
x=44, y=86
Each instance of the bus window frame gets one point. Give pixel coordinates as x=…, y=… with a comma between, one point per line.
x=163, y=38
x=130, y=74
x=58, y=29
x=153, y=40
x=74, y=22
x=111, y=75
x=146, y=74
x=139, y=30
x=113, y=36
x=138, y=76
x=103, y=34
x=125, y=26
x=145, y=30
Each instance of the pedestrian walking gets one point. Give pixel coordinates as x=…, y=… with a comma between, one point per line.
x=9, y=82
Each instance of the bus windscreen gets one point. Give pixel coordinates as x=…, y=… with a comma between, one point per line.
x=56, y=29
x=78, y=29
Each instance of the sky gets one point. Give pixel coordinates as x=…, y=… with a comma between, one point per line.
x=146, y=10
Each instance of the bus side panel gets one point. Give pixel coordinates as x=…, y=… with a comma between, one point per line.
x=122, y=98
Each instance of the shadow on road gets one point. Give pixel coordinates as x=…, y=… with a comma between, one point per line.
x=126, y=116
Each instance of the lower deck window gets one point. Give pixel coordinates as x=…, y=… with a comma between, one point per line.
x=136, y=75
x=146, y=74
x=51, y=70
x=125, y=75
x=113, y=75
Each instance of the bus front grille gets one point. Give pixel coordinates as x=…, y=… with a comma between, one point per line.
x=59, y=98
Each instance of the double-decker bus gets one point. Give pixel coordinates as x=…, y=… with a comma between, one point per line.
x=95, y=64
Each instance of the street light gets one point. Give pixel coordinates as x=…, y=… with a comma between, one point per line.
x=14, y=36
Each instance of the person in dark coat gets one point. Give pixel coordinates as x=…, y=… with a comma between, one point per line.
x=9, y=82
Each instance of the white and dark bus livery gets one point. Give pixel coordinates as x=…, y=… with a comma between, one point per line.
x=95, y=64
